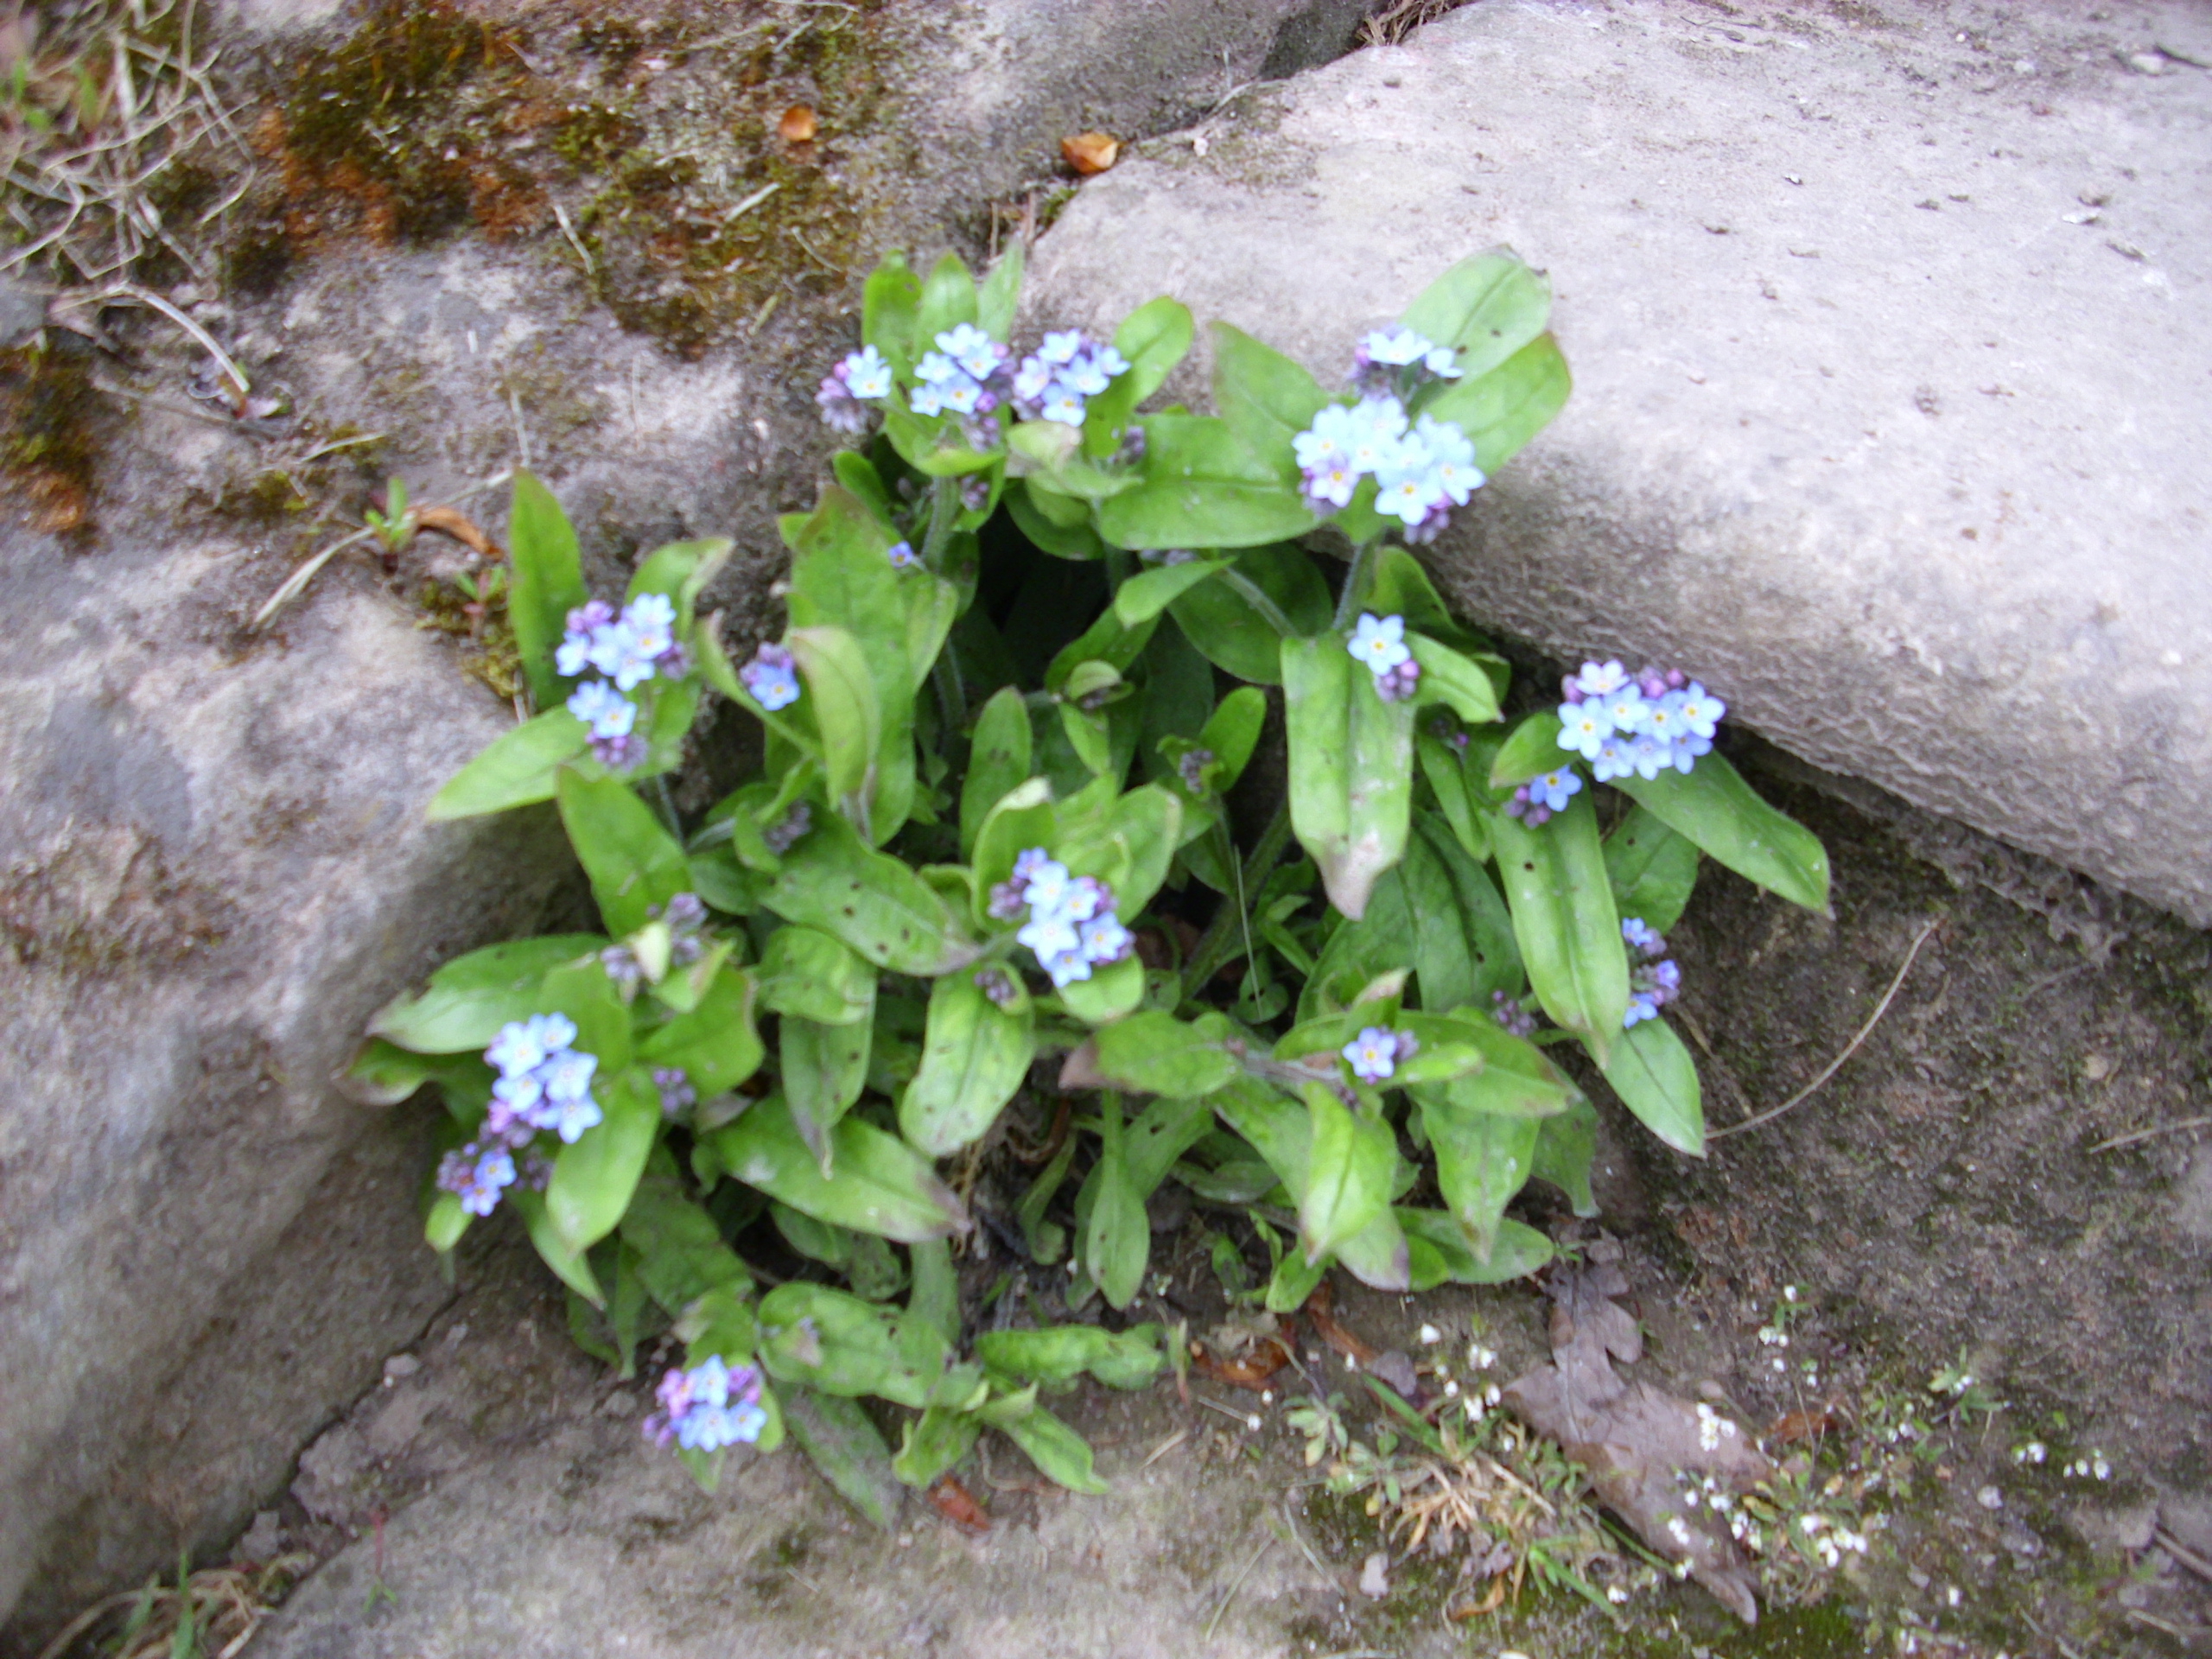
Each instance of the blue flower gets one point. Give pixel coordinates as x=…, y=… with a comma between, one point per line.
x=619, y=652
x=1442, y=362
x=1396, y=345
x=1379, y=642
x=1451, y=458
x=1649, y=755
x=1377, y=424
x=937, y=369
x=1049, y=933
x=651, y=619
x=926, y=400
x=867, y=374
x=962, y=397
x=523, y=1045
x=1641, y=1007
x=1625, y=707
x=975, y=352
x=1061, y=347
x=1372, y=1055
x=606, y=711
x=567, y=1076
x=1031, y=379
x=574, y=654
x=478, y=1175
x=1600, y=679
x=1104, y=939
x=1408, y=489
x=770, y=678
x=1062, y=403
x=1066, y=967
x=1583, y=727
x=902, y=555
x=1611, y=760
x=1688, y=746
x=1329, y=438
x=1700, y=711
x=1641, y=934
x=572, y=1118
x=1555, y=789
x=1331, y=485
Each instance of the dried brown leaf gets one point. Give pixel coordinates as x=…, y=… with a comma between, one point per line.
x=796, y=125
x=1090, y=153
x=1648, y=1452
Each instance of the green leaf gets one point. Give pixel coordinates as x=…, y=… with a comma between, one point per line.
x=1566, y=1147
x=547, y=584
x=838, y=1343
x=471, y=997
x=1021, y=819
x=1378, y=1254
x=1532, y=748
x=1440, y=1253
x=1155, y=1053
x=1046, y=1240
x=1294, y=1279
x=1501, y=410
x=1108, y=994
x=1059, y=1452
x=999, y=760
x=1458, y=682
x=1482, y=1159
x=446, y=1223
x=1202, y=488
x=1232, y=732
x=1146, y=594
x=1238, y=633
x=1266, y=398
x=947, y=298
x=842, y=696
x=1351, y=769
x=846, y=1449
x=1349, y=1173
x=1000, y=294
x=1488, y=307
x=716, y=1044
x=857, y=474
x=681, y=570
x=1515, y=1078
x=1715, y=808
x=1655, y=1077
x=1154, y=339
x=1059, y=1354
x=1108, y=640
x=890, y=305
x=935, y=1441
x=1462, y=945
x=936, y=1297
x=882, y=1185
x=1117, y=1241
x=825, y=1068
x=974, y=1057
x=1446, y=772
x=569, y=1265
x=384, y=1074
x=681, y=1256
x=594, y=1179
x=589, y=997
x=1032, y=506
x=635, y=864
x=516, y=768
x=816, y=977
x=1653, y=869
x=833, y=880
x=1563, y=916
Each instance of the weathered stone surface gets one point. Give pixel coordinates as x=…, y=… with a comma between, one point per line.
x=215, y=867
x=214, y=863
x=1888, y=330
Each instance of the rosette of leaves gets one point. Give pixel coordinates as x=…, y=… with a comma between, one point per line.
x=856, y=1010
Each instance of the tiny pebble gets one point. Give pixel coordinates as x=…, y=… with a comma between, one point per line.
x=1990, y=1499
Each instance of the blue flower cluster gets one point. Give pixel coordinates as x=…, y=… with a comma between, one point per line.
x=1548, y=792
x=1380, y=643
x=772, y=676
x=863, y=378
x=1641, y=723
x=1374, y=1054
x=1509, y=1012
x=1056, y=380
x=629, y=649
x=1653, y=981
x=1422, y=467
x=712, y=1405
x=544, y=1083
x=1072, y=924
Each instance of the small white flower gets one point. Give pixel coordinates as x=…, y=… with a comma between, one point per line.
x=1430, y=1335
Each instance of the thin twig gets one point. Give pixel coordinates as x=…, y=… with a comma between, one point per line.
x=138, y=296
x=2119, y=1140
x=1851, y=1048
x=2181, y=1552
x=1165, y=1446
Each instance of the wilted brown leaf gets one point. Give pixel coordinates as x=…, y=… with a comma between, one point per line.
x=1091, y=152
x=958, y=1505
x=1325, y=1326
x=1647, y=1451
x=796, y=126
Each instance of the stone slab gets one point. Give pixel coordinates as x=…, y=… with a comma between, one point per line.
x=1890, y=338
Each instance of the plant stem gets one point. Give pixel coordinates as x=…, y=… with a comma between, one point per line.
x=952, y=695
x=1223, y=933
x=1117, y=570
x=944, y=510
x=1355, y=580
x=1256, y=596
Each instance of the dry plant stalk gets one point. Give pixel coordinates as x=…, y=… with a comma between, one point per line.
x=1391, y=23
x=222, y=1605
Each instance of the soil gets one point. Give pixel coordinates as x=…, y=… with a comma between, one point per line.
x=1950, y=1202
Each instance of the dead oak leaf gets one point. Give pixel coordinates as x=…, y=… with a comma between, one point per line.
x=1649, y=1453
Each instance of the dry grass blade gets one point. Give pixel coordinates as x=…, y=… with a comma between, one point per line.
x=1391, y=23
x=220, y=1607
